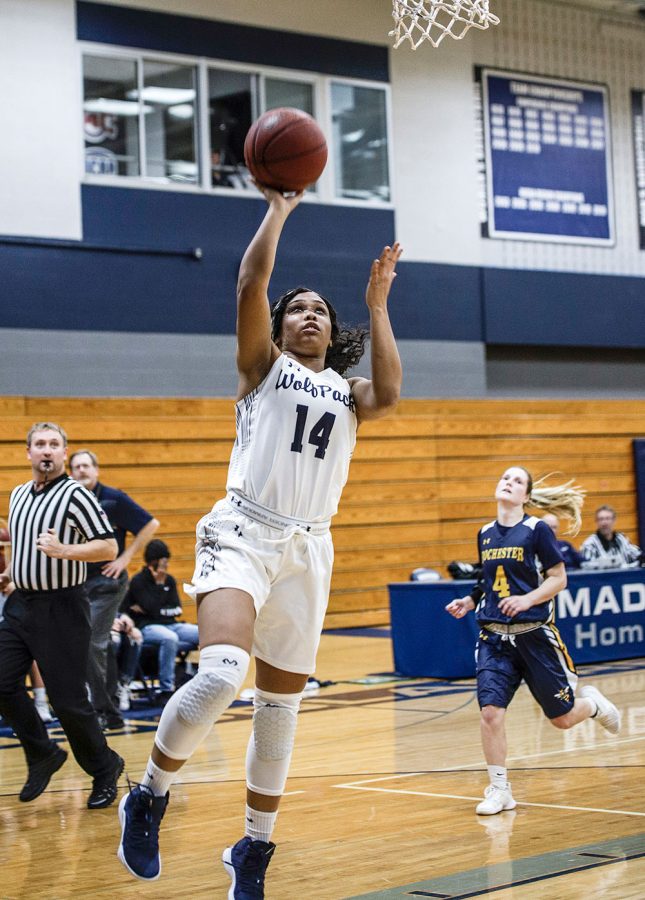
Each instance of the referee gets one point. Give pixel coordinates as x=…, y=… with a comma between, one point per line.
x=56, y=527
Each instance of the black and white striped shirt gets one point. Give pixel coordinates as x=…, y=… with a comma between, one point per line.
x=616, y=552
x=74, y=513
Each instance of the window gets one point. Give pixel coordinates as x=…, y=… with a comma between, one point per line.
x=280, y=92
x=110, y=116
x=296, y=94
x=169, y=96
x=146, y=119
x=230, y=114
x=360, y=142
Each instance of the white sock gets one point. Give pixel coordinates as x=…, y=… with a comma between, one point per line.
x=157, y=780
x=40, y=695
x=498, y=776
x=260, y=825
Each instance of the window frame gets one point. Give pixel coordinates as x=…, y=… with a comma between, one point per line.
x=321, y=95
x=362, y=83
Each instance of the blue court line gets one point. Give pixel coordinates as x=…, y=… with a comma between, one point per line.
x=518, y=872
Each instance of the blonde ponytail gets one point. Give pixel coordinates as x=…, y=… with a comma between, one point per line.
x=560, y=499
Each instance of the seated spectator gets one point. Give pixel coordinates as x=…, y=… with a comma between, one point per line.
x=572, y=559
x=123, y=659
x=153, y=603
x=608, y=548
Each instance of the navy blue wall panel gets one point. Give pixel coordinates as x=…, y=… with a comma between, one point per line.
x=563, y=309
x=437, y=302
x=329, y=248
x=224, y=40
x=639, y=466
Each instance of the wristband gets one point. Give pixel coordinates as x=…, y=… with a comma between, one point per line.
x=476, y=594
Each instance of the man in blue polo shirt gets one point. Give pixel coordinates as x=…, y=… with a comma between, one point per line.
x=107, y=582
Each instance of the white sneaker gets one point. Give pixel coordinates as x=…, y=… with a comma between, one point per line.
x=495, y=800
x=123, y=694
x=43, y=710
x=608, y=715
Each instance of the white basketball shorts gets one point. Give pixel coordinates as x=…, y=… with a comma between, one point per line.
x=285, y=567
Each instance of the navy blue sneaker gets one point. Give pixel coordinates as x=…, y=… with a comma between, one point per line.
x=140, y=815
x=246, y=864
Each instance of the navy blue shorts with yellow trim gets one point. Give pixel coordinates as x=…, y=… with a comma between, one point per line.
x=539, y=657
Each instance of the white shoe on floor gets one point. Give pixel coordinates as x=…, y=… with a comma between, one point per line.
x=123, y=695
x=496, y=800
x=43, y=710
x=608, y=714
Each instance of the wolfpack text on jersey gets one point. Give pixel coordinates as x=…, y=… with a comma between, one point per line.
x=296, y=433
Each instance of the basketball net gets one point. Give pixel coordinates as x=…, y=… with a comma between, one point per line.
x=431, y=20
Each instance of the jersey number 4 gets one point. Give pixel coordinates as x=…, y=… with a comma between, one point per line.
x=319, y=434
x=500, y=585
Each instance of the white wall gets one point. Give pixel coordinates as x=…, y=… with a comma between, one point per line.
x=434, y=140
x=40, y=115
x=434, y=123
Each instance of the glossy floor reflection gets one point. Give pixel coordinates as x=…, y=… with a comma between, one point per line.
x=380, y=803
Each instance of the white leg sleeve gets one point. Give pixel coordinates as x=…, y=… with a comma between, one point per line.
x=269, y=750
x=192, y=710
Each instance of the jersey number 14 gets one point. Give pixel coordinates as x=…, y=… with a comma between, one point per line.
x=319, y=434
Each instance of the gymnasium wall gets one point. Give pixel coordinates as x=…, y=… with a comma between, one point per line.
x=128, y=266
x=42, y=150
x=420, y=485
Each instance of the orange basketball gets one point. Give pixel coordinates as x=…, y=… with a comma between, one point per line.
x=285, y=149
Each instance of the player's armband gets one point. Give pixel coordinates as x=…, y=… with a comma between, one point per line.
x=476, y=594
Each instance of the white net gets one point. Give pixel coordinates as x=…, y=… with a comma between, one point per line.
x=417, y=21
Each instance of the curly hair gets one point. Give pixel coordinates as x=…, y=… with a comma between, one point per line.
x=347, y=343
x=560, y=499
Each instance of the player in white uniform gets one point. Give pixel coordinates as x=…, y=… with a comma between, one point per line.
x=264, y=553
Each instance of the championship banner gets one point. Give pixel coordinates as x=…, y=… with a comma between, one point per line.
x=638, y=128
x=547, y=159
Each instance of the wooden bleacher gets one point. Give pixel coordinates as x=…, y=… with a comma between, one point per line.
x=420, y=483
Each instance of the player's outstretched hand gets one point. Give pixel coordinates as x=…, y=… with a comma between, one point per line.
x=382, y=274
x=285, y=202
x=460, y=606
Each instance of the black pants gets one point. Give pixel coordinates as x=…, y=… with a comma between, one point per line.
x=52, y=627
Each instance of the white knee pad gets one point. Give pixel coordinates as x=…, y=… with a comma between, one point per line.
x=192, y=710
x=269, y=750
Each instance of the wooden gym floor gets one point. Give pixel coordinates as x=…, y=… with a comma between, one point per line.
x=379, y=805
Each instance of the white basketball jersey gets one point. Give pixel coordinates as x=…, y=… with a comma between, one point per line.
x=295, y=438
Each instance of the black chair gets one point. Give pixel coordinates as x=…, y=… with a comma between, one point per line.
x=148, y=670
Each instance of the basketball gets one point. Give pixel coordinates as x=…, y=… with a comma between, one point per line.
x=285, y=149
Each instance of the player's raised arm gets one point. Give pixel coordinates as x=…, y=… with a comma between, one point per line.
x=255, y=350
x=378, y=396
